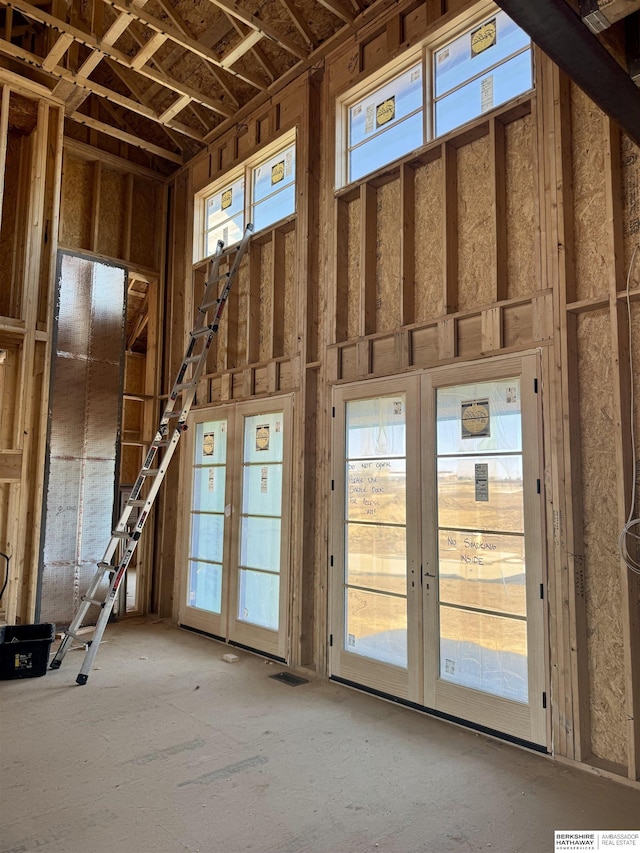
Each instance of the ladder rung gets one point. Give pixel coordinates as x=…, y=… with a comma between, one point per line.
x=149, y=472
x=120, y=534
x=206, y=305
x=92, y=601
x=140, y=502
x=182, y=386
x=79, y=637
x=196, y=333
x=193, y=358
x=163, y=442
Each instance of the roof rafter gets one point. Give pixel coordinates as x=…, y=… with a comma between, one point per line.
x=255, y=23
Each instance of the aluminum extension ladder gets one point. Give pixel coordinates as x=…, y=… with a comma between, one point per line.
x=153, y=470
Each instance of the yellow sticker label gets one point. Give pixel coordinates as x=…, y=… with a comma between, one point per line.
x=277, y=173
x=483, y=38
x=227, y=198
x=262, y=437
x=386, y=111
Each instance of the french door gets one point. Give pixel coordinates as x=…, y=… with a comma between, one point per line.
x=236, y=532
x=436, y=543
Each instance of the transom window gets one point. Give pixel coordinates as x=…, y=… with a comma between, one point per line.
x=446, y=85
x=262, y=192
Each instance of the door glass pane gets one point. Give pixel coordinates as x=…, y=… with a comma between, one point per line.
x=483, y=570
x=375, y=552
x=376, y=626
x=481, y=554
x=207, y=516
x=487, y=653
x=261, y=520
x=205, y=585
x=259, y=599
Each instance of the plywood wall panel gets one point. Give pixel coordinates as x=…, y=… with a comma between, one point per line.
x=241, y=286
x=388, y=283
x=147, y=205
x=428, y=241
x=77, y=201
x=521, y=204
x=111, y=213
x=353, y=270
x=589, y=219
x=600, y=562
x=476, y=229
x=289, y=284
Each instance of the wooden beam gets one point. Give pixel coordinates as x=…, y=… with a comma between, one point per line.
x=10, y=466
x=57, y=51
x=129, y=138
x=4, y=123
x=498, y=167
x=368, y=264
x=176, y=107
x=407, y=245
x=300, y=23
x=145, y=53
x=184, y=41
x=339, y=9
x=257, y=24
x=245, y=44
x=450, y=227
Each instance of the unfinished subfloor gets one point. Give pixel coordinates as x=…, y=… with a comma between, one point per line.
x=169, y=748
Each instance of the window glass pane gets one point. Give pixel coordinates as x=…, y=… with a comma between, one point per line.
x=205, y=586
x=486, y=45
x=482, y=570
x=376, y=626
x=481, y=493
x=274, y=174
x=376, y=427
x=262, y=490
x=487, y=653
x=225, y=204
x=259, y=598
x=376, y=491
x=274, y=208
x=208, y=488
x=260, y=543
x=386, y=106
x=376, y=557
x=478, y=418
x=207, y=536
x=263, y=438
x=388, y=146
x=481, y=95
x=229, y=232
x=211, y=443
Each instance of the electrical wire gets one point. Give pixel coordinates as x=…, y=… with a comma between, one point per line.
x=629, y=529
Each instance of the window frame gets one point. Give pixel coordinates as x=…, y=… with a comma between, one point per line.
x=245, y=171
x=424, y=52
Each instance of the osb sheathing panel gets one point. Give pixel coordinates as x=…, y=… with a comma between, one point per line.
x=353, y=270
x=429, y=241
x=520, y=207
x=146, y=209
x=388, y=257
x=77, y=199
x=112, y=213
x=129, y=465
x=630, y=159
x=134, y=368
x=266, y=301
x=589, y=208
x=289, y=282
x=601, y=561
x=8, y=305
x=476, y=231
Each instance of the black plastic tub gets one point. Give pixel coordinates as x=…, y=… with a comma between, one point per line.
x=24, y=650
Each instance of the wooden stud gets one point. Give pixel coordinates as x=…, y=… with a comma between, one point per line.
x=492, y=329
x=341, y=255
x=447, y=338
x=95, y=206
x=253, y=304
x=4, y=139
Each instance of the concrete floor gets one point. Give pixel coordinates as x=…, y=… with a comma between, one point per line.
x=168, y=748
